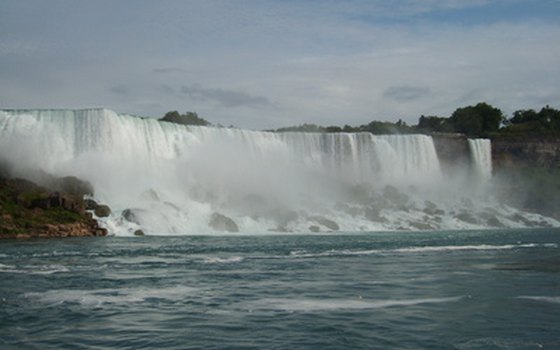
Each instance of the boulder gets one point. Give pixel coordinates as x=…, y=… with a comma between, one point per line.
x=221, y=222
x=139, y=233
x=314, y=228
x=131, y=215
x=90, y=204
x=102, y=211
x=466, y=217
x=74, y=186
x=432, y=209
x=328, y=223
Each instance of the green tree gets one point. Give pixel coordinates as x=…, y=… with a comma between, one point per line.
x=189, y=118
x=477, y=121
x=434, y=124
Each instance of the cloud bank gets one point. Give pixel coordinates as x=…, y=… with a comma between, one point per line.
x=264, y=64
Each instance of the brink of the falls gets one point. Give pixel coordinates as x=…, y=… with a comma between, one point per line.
x=165, y=178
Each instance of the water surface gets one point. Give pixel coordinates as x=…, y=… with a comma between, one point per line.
x=431, y=290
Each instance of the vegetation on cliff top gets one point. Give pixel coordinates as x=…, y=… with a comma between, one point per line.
x=480, y=120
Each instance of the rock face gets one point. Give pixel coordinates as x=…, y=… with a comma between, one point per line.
x=529, y=151
x=527, y=173
x=28, y=210
x=452, y=150
x=223, y=223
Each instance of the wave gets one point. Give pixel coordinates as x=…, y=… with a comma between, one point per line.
x=100, y=297
x=315, y=305
x=302, y=254
x=547, y=299
x=34, y=269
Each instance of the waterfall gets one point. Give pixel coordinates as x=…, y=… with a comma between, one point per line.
x=481, y=156
x=166, y=178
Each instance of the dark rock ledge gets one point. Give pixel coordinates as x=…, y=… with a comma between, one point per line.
x=28, y=210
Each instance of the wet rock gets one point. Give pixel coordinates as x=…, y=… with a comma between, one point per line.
x=494, y=222
x=328, y=223
x=131, y=215
x=421, y=226
x=102, y=211
x=90, y=204
x=139, y=233
x=520, y=218
x=466, y=217
x=221, y=222
x=432, y=209
x=314, y=228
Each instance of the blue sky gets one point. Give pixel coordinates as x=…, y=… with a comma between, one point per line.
x=262, y=64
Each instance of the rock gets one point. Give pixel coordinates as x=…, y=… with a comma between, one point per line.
x=314, y=228
x=74, y=186
x=494, y=222
x=102, y=211
x=421, y=225
x=58, y=200
x=328, y=223
x=139, y=233
x=432, y=209
x=520, y=218
x=131, y=215
x=90, y=204
x=221, y=222
x=466, y=217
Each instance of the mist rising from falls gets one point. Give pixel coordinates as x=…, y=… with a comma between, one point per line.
x=170, y=178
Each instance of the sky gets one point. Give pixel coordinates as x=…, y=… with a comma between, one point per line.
x=262, y=64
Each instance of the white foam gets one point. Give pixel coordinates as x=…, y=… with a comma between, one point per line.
x=221, y=260
x=548, y=299
x=34, y=269
x=99, y=297
x=315, y=305
x=302, y=254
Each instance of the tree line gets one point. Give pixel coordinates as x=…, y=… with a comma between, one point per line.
x=480, y=120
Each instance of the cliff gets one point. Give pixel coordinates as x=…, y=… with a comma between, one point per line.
x=452, y=150
x=28, y=210
x=527, y=172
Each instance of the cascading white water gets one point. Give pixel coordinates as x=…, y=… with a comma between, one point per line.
x=481, y=155
x=173, y=178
